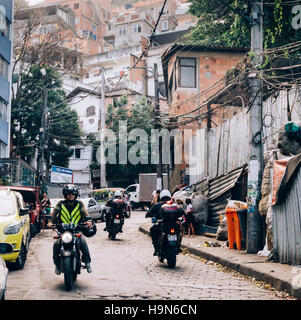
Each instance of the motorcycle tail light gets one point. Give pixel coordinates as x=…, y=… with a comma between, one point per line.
x=172, y=231
x=117, y=216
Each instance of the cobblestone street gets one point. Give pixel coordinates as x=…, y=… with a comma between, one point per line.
x=126, y=269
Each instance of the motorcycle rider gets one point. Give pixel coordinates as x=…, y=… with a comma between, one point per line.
x=66, y=211
x=160, y=211
x=116, y=205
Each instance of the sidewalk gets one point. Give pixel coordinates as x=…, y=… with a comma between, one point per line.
x=281, y=276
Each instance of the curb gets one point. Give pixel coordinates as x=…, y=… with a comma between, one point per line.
x=246, y=269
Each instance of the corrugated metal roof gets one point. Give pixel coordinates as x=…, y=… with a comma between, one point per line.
x=221, y=184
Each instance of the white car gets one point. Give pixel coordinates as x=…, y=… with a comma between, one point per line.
x=94, y=208
x=3, y=278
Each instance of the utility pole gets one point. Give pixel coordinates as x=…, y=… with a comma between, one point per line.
x=254, y=225
x=158, y=126
x=103, y=182
x=42, y=137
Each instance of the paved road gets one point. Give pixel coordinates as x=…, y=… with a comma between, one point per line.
x=126, y=269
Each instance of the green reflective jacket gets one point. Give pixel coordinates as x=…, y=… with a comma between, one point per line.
x=77, y=214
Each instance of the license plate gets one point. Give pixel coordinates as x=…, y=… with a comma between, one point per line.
x=171, y=237
x=116, y=221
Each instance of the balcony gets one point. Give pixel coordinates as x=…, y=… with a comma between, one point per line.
x=53, y=14
x=17, y=172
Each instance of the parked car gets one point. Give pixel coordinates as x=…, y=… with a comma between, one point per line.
x=93, y=207
x=3, y=277
x=31, y=196
x=14, y=228
x=104, y=194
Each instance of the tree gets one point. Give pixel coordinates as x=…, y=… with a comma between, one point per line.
x=138, y=116
x=63, y=129
x=225, y=23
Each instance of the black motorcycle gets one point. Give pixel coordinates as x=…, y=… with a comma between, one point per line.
x=70, y=255
x=115, y=223
x=169, y=243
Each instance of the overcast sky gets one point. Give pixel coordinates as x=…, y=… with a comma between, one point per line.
x=33, y=2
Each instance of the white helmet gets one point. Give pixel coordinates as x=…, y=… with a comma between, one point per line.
x=118, y=193
x=165, y=193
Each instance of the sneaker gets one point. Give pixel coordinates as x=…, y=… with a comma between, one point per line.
x=88, y=267
x=58, y=270
x=105, y=229
x=156, y=253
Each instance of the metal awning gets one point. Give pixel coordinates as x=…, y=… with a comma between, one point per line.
x=222, y=184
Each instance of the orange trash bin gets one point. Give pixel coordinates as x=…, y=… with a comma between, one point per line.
x=231, y=227
x=237, y=231
x=234, y=231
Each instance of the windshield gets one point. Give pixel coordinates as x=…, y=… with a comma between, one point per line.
x=7, y=205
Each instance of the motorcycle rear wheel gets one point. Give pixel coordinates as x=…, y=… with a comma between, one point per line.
x=172, y=258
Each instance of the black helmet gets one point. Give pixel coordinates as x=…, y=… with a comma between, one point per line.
x=90, y=232
x=70, y=189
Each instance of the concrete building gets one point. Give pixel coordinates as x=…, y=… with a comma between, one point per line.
x=131, y=22
x=87, y=106
x=89, y=24
x=192, y=75
x=6, y=20
x=51, y=38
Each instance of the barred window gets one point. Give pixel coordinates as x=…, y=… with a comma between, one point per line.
x=187, y=77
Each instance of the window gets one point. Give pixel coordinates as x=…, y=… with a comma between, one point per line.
x=137, y=28
x=4, y=24
x=3, y=68
x=3, y=110
x=164, y=25
x=77, y=153
x=91, y=203
x=131, y=189
x=91, y=111
x=76, y=6
x=187, y=77
x=122, y=31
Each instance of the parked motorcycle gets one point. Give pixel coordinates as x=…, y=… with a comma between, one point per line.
x=169, y=243
x=70, y=255
x=115, y=222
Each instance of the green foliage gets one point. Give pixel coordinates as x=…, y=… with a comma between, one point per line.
x=218, y=25
x=27, y=108
x=138, y=116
